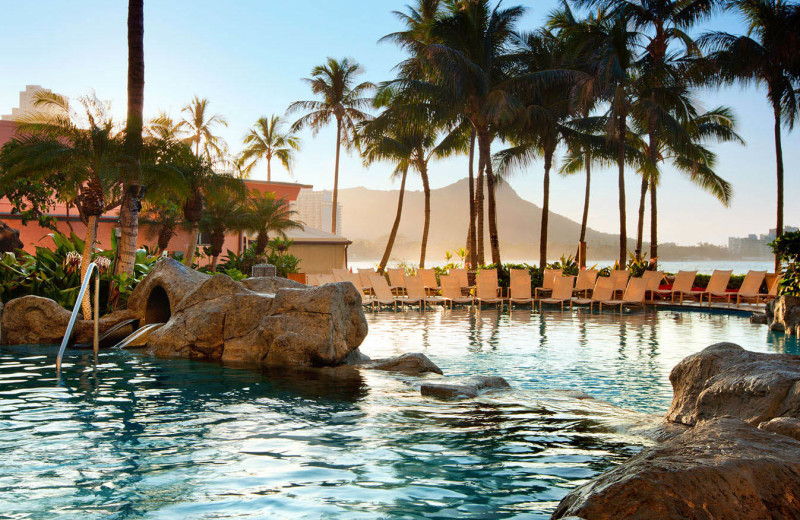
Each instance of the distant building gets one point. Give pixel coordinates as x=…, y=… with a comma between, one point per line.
x=755, y=246
x=26, y=99
x=314, y=210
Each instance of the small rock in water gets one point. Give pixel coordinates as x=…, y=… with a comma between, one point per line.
x=758, y=318
x=413, y=363
x=466, y=387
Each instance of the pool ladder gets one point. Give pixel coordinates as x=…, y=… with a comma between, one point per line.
x=93, y=269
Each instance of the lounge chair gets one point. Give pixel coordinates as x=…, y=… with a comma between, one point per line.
x=365, y=275
x=325, y=278
x=562, y=292
x=683, y=283
x=397, y=280
x=312, y=280
x=717, y=287
x=487, y=288
x=415, y=291
x=548, y=282
x=620, y=279
x=383, y=293
x=749, y=291
x=462, y=277
x=520, y=287
x=451, y=292
x=654, y=279
x=356, y=281
x=429, y=280
x=603, y=291
x=339, y=274
x=773, y=290
x=634, y=295
x=587, y=278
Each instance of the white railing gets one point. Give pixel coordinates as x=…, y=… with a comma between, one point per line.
x=68, y=334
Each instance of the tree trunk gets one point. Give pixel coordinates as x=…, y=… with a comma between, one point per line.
x=217, y=242
x=640, y=226
x=653, y=224
x=779, y=164
x=485, y=149
x=262, y=240
x=188, y=259
x=393, y=235
x=336, y=176
x=269, y=169
x=471, y=238
x=548, y=162
x=165, y=234
x=86, y=259
x=585, y=218
x=479, y=211
x=623, y=233
x=426, y=188
x=129, y=211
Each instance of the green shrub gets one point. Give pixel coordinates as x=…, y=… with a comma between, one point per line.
x=787, y=248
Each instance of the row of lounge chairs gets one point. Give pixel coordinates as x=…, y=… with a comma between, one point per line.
x=616, y=290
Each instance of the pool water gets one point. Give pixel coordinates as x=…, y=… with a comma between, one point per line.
x=138, y=437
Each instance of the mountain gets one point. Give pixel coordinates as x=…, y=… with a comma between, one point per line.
x=367, y=217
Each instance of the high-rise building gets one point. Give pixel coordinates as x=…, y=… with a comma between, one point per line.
x=26, y=99
x=755, y=246
x=314, y=210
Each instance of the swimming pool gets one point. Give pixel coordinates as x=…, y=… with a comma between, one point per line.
x=137, y=437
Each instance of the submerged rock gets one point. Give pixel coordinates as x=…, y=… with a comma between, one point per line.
x=412, y=363
x=783, y=314
x=758, y=318
x=463, y=387
x=722, y=468
x=726, y=380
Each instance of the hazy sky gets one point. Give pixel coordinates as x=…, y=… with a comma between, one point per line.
x=248, y=56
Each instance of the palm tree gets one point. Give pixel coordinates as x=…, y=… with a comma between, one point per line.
x=340, y=100
x=410, y=143
x=225, y=210
x=269, y=214
x=199, y=126
x=761, y=58
x=165, y=216
x=85, y=150
x=265, y=141
x=131, y=203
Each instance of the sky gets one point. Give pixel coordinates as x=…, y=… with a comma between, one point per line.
x=248, y=57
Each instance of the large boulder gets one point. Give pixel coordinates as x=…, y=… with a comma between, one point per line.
x=783, y=314
x=33, y=320
x=224, y=320
x=722, y=468
x=167, y=283
x=726, y=380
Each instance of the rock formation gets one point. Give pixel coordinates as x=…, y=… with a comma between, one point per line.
x=783, y=314
x=738, y=457
x=721, y=468
x=462, y=387
x=9, y=238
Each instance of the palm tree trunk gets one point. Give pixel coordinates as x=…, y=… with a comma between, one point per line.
x=471, y=238
x=88, y=247
x=262, y=239
x=269, y=169
x=640, y=226
x=484, y=147
x=779, y=164
x=623, y=233
x=393, y=234
x=548, y=162
x=165, y=234
x=479, y=232
x=426, y=187
x=188, y=258
x=336, y=176
x=653, y=223
x=585, y=218
x=129, y=211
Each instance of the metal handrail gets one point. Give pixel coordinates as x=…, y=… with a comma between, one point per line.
x=68, y=334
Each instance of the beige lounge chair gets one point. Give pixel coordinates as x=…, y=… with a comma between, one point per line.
x=717, y=287
x=383, y=293
x=356, y=281
x=634, y=295
x=548, y=282
x=397, y=280
x=520, y=287
x=339, y=274
x=312, y=280
x=325, y=278
x=749, y=291
x=486, y=289
x=654, y=279
x=562, y=292
x=365, y=275
x=684, y=281
x=620, y=279
x=603, y=291
x=587, y=278
x=429, y=280
x=451, y=291
x=462, y=277
x=415, y=291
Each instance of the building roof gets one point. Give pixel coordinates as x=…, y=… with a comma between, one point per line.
x=316, y=236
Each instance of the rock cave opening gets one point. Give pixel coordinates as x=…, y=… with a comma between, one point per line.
x=157, y=309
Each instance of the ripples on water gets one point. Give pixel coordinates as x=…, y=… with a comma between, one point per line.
x=136, y=437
